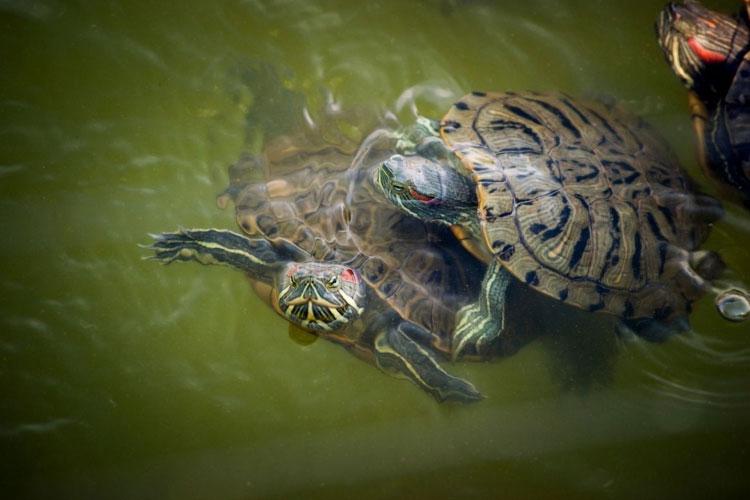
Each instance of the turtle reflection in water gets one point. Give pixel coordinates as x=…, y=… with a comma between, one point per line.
x=580, y=201
x=324, y=248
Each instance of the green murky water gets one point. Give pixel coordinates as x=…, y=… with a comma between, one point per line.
x=123, y=379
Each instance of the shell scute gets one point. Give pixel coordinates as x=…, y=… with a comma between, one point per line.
x=594, y=206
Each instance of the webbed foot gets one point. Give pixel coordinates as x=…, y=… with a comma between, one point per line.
x=206, y=246
x=216, y=246
x=475, y=332
x=478, y=325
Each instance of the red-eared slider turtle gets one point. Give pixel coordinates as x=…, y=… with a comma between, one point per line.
x=709, y=53
x=331, y=256
x=578, y=200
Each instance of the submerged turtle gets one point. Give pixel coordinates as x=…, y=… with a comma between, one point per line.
x=333, y=257
x=709, y=53
x=578, y=200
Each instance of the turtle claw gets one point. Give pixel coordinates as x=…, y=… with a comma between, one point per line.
x=149, y=257
x=169, y=247
x=475, y=332
x=157, y=236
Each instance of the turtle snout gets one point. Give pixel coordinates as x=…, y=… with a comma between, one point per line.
x=308, y=288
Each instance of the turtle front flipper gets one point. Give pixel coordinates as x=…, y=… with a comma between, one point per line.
x=479, y=324
x=258, y=257
x=396, y=352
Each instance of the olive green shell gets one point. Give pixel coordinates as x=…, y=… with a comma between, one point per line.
x=581, y=201
x=330, y=208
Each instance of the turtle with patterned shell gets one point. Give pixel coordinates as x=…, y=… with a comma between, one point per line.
x=330, y=255
x=579, y=200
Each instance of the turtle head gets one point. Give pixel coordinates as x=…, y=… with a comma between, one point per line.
x=320, y=297
x=703, y=47
x=427, y=189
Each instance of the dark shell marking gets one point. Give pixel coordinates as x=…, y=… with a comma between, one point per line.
x=593, y=205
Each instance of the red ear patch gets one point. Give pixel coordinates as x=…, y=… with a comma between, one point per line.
x=419, y=196
x=292, y=270
x=705, y=55
x=348, y=275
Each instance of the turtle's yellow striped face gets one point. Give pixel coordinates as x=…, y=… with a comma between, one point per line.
x=320, y=297
x=699, y=42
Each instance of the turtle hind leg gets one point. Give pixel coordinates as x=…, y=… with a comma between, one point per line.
x=479, y=324
x=396, y=352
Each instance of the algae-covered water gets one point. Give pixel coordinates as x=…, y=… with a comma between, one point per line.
x=125, y=379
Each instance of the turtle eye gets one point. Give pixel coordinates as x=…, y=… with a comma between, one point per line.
x=397, y=187
x=293, y=280
x=333, y=283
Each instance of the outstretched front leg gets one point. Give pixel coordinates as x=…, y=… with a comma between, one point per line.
x=317, y=296
x=397, y=352
x=479, y=324
x=259, y=258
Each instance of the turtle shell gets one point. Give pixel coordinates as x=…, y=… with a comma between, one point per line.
x=728, y=140
x=327, y=204
x=581, y=201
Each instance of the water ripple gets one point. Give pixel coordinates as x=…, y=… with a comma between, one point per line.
x=37, y=428
x=695, y=368
x=6, y=170
x=34, y=10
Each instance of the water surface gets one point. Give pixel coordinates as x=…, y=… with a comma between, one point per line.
x=124, y=379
